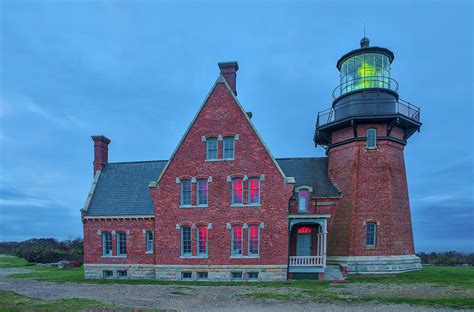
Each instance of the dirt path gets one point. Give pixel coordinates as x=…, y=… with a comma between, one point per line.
x=182, y=298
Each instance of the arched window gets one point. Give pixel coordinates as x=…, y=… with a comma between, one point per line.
x=106, y=244
x=237, y=191
x=237, y=240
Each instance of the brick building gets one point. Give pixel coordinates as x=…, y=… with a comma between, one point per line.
x=223, y=208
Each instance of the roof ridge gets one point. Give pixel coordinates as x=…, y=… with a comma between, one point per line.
x=136, y=162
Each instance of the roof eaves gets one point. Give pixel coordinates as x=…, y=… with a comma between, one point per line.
x=91, y=192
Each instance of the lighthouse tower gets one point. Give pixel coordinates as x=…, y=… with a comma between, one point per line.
x=364, y=133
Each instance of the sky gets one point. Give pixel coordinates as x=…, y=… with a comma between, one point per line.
x=137, y=72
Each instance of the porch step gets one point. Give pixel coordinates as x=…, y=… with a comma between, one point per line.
x=333, y=272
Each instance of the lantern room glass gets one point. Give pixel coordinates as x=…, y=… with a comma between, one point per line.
x=367, y=70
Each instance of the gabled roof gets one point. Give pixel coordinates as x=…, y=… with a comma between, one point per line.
x=122, y=189
x=220, y=80
x=311, y=171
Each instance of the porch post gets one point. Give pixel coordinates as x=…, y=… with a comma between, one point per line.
x=325, y=232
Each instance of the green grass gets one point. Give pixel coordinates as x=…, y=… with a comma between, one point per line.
x=458, y=277
x=11, y=301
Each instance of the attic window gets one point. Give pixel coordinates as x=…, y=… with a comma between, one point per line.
x=303, y=200
x=211, y=148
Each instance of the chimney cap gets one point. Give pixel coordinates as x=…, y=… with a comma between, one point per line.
x=100, y=138
x=229, y=65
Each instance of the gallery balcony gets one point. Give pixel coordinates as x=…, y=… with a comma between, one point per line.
x=367, y=100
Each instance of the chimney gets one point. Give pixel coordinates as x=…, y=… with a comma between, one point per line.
x=229, y=72
x=101, y=152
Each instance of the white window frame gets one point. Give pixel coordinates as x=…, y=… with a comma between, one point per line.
x=308, y=200
x=181, y=192
x=371, y=138
x=198, y=251
x=249, y=191
x=149, y=241
x=104, y=242
x=250, y=254
x=373, y=233
x=199, y=182
x=190, y=253
x=121, y=237
x=225, y=147
x=233, y=197
x=233, y=253
x=208, y=149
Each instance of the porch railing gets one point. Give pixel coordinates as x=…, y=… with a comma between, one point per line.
x=306, y=261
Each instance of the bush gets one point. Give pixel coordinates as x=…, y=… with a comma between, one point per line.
x=45, y=250
x=446, y=258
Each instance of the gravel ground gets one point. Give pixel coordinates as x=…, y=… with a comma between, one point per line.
x=189, y=298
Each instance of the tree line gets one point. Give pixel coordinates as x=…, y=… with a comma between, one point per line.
x=45, y=250
x=50, y=250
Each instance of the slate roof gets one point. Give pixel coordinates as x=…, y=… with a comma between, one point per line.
x=122, y=188
x=311, y=171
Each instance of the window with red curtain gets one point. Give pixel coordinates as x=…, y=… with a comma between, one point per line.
x=254, y=191
x=254, y=240
x=237, y=191
x=202, y=240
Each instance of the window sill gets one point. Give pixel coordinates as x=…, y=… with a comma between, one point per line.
x=193, y=257
x=245, y=257
x=244, y=205
x=125, y=256
x=149, y=252
x=193, y=206
x=370, y=247
x=224, y=159
x=371, y=149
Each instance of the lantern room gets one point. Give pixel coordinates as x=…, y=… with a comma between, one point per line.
x=367, y=67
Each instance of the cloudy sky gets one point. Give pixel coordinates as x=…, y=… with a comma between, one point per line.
x=137, y=71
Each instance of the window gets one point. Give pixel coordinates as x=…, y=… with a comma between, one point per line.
x=202, y=191
x=211, y=148
x=303, y=200
x=237, y=276
x=186, y=241
x=237, y=240
x=370, y=234
x=121, y=244
x=228, y=148
x=186, y=193
x=186, y=275
x=107, y=273
x=254, y=240
x=253, y=275
x=121, y=274
x=371, y=138
x=202, y=275
x=254, y=191
x=106, y=244
x=237, y=191
x=202, y=241
x=149, y=241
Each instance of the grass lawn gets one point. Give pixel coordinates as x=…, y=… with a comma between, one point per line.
x=457, y=277
x=11, y=301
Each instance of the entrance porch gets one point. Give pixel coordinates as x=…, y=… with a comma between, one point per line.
x=307, y=250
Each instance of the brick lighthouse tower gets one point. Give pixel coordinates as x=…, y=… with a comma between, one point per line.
x=364, y=134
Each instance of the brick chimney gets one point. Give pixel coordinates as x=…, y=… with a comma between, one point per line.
x=229, y=72
x=101, y=152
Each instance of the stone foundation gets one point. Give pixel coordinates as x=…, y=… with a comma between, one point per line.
x=376, y=264
x=175, y=272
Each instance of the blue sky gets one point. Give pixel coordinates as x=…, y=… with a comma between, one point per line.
x=137, y=71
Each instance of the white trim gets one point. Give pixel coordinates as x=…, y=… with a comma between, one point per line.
x=119, y=217
x=91, y=191
x=220, y=79
x=304, y=187
x=320, y=216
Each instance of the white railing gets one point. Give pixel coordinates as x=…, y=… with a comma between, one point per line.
x=305, y=261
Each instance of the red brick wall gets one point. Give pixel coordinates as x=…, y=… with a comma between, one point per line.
x=221, y=114
x=136, y=244
x=374, y=189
